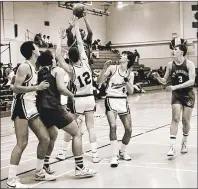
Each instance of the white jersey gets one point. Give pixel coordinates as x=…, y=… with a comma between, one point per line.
x=116, y=86
x=30, y=81
x=63, y=97
x=82, y=79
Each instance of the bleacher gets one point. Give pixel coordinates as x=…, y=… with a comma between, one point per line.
x=103, y=57
x=6, y=96
x=109, y=55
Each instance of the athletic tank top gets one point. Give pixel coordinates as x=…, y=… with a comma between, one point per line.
x=29, y=81
x=116, y=86
x=179, y=75
x=66, y=82
x=50, y=97
x=82, y=79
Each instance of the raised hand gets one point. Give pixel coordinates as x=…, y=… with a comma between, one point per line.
x=62, y=33
x=107, y=64
x=156, y=75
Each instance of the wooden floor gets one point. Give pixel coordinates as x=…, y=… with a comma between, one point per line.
x=149, y=168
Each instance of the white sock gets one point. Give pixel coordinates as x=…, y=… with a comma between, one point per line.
x=185, y=136
x=65, y=145
x=94, y=147
x=12, y=172
x=39, y=164
x=173, y=140
x=123, y=147
x=114, y=147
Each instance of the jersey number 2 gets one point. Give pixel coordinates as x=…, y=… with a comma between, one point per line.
x=86, y=77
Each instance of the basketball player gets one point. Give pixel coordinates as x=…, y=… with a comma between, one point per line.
x=24, y=113
x=72, y=42
x=52, y=113
x=181, y=71
x=81, y=76
x=120, y=81
x=67, y=104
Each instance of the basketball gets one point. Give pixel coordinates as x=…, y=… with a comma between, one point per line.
x=78, y=10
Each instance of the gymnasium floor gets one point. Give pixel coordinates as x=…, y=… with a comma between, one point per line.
x=149, y=168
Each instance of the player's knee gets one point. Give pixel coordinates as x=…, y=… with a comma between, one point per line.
x=45, y=140
x=22, y=145
x=176, y=119
x=54, y=135
x=76, y=132
x=185, y=121
x=128, y=131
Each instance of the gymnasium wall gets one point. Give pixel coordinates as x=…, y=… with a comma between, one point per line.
x=148, y=28
x=31, y=16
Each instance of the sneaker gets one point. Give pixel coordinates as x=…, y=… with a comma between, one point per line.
x=124, y=156
x=84, y=172
x=61, y=155
x=48, y=169
x=184, y=148
x=15, y=183
x=95, y=158
x=171, y=151
x=114, y=161
x=42, y=175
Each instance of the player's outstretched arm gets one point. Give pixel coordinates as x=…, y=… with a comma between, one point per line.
x=106, y=72
x=59, y=56
x=80, y=41
x=90, y=33
x=164, y=80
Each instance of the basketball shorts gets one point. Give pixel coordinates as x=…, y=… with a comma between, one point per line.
x=58, y=117
x=118, y=105
x=23, y=109
x=83, y=104
x=184, y=100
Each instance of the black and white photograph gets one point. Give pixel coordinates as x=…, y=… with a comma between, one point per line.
x=98, y=94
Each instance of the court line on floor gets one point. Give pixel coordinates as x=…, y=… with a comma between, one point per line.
x=189, y=145
x=142, y=133
x=151, y=167
x=31, y=186
x=104, y=137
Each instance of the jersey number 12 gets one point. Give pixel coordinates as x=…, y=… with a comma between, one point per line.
x=86, y=78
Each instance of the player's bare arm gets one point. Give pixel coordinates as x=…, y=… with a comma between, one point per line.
x=106, y=72
x=164, y=80
x=80, y=42
x=60, y=83
x=130, y=84
x=59, y=56
x=22, y=73
x=90, y=33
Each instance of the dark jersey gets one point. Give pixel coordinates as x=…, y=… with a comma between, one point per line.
x=179, y=75
x=50, y=97
x=71, y=42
